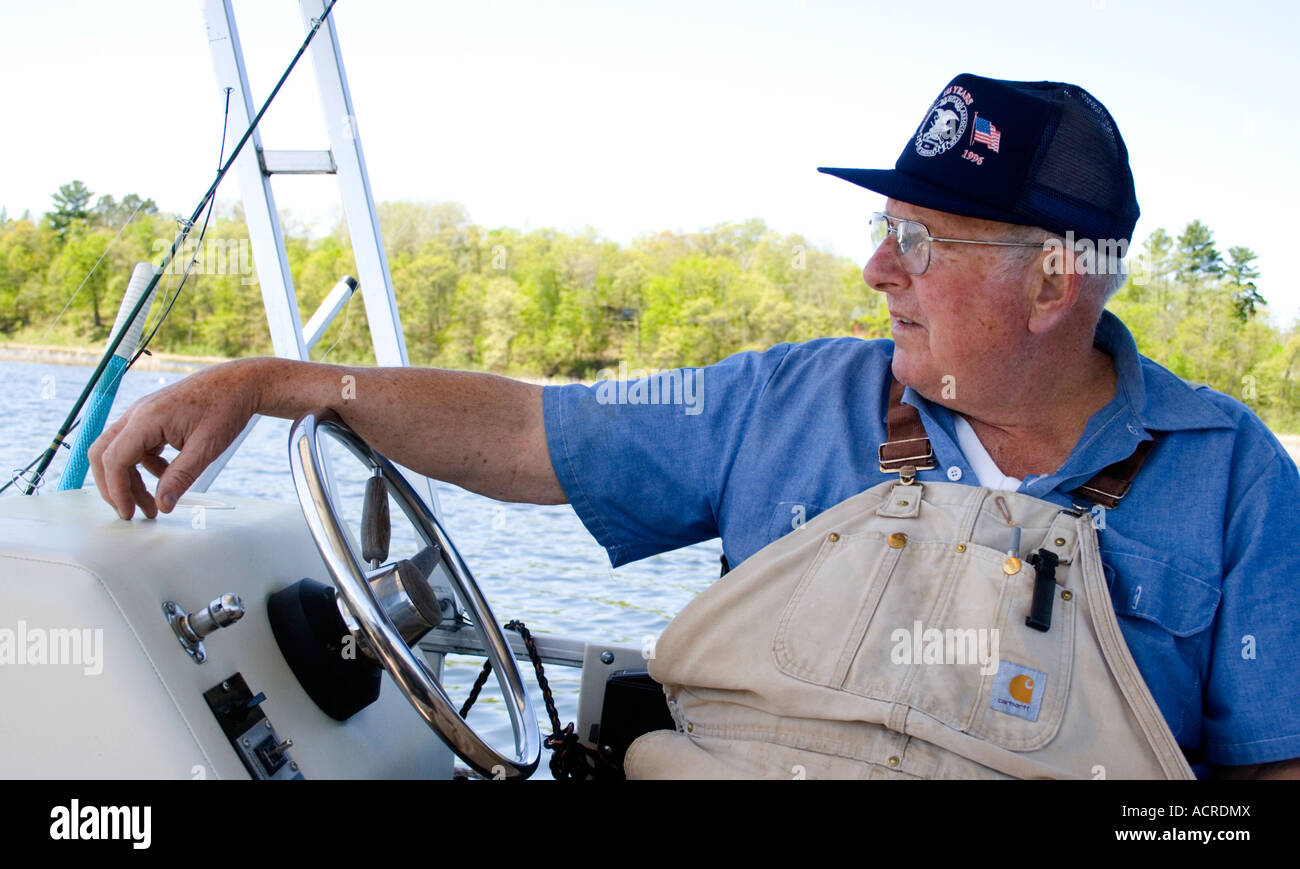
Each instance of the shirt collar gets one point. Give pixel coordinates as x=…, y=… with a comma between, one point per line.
x=1147, y=397
x=1157, y=397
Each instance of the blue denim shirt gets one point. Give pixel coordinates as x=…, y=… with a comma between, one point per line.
x=1202, y=556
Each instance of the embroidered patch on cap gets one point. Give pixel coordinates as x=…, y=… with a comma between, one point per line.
x=1018, y=690
x=945, y=124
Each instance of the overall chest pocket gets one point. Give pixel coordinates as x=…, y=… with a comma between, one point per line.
x=832, y=612
x=935, y=625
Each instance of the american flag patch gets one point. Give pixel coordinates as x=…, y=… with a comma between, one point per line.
x=985, y=132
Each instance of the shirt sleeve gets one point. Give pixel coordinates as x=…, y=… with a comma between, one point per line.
x=644, y=461
x=1252, y=694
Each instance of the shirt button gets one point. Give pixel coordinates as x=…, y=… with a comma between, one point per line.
x=1132, y=429
x=954, y=473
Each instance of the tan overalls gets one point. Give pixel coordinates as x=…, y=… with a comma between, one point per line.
x=887, y=638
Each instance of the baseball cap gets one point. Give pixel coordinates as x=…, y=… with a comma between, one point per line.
x=1036, y=153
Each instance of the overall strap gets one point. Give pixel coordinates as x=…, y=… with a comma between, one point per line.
x=1113, y=482
x=908, y=448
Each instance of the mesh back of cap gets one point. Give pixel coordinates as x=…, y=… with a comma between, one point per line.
x=1081, y=180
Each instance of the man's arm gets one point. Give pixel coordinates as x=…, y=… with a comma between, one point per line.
x=479, y=431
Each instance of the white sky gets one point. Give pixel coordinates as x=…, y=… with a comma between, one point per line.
x=638, y=117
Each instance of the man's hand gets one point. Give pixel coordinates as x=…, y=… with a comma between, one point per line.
x=482, y=432
x=200, y=416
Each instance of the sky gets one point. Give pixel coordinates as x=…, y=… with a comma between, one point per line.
x=637, y=117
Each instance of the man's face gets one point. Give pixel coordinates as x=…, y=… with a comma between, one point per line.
x=958, y=328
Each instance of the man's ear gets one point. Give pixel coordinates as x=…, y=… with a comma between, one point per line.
x=1053, y=287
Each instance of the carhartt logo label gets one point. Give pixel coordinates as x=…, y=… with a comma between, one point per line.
x=1022, y=689
x=1018, y=690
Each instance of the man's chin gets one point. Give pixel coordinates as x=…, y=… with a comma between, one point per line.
x=920, y=378
x=906, y=371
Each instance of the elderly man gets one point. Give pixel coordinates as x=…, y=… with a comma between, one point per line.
x=1008, y=464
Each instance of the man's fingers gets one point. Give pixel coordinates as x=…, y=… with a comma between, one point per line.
x=155, y=465
x=182, y=415
x=141, y=495
x=115, y=487
x=182, y=472
x=124, y=450
x=96, y=456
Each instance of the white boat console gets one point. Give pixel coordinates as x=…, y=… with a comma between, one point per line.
x=98, y=685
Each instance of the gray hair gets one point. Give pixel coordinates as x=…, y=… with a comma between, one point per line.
x=1101, y=283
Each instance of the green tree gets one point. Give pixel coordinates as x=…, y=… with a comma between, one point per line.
x=1197, y=257
x=25, y=253
x=73, y=270
x=1153, y=271
x=70, y=204
x=1240, y=274
x=112, y=214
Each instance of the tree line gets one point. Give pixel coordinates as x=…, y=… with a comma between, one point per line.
x=544, y=303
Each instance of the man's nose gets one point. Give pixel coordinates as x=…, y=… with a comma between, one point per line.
x=884, y=272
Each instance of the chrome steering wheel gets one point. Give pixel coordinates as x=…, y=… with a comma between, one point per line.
x=362, y=588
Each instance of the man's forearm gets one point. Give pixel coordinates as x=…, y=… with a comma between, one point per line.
x=479, y=431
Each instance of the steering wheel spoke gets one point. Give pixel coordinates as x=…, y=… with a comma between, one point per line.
x=376, y=527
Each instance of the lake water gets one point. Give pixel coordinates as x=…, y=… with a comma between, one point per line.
x=533, y=563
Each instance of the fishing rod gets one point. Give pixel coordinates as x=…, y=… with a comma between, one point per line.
x=147, y=295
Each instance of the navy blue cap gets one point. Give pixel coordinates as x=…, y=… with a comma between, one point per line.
x=1036, y=153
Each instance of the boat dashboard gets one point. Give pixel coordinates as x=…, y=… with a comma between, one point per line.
x=146, y=649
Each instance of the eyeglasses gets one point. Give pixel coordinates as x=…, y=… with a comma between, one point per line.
x=914, y=241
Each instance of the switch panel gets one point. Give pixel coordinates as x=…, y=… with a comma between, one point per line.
x=239, y=712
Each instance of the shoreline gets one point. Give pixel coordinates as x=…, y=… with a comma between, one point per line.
x=88, y=356
x=54, y=354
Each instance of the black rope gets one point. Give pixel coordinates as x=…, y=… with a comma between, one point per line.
x=570, y=759
x=478, y=686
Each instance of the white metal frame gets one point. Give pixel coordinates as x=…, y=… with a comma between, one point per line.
x=345, y=160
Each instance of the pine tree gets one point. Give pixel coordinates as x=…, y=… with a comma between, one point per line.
x=69, y=205
x=1240, y=274
x=1197, y=257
